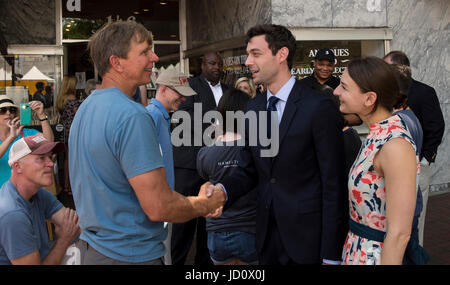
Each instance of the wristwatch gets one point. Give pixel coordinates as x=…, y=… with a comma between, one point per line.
x=44, y=119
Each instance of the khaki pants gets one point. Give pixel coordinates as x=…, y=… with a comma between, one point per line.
x=167, y=244
x=90, y=256
x=424, y=183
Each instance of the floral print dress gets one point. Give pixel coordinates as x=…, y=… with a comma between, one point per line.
x=367, y=192
x=70, y=108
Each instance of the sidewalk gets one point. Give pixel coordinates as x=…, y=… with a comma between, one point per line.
x=436, y=235
x=437, y=229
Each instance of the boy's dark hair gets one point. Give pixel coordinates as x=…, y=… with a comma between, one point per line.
x=277, y=37
x=232, y=100
x=398, y=57
x=403, y=76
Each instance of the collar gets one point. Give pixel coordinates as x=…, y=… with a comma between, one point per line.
x=283, y=93
x=160, y=107
x=213, y=86
x=19, y=198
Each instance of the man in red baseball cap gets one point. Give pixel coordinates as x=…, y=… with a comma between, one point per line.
x=25, y=205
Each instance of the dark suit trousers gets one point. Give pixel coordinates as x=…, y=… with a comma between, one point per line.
x=273, y=251
x=188, y=183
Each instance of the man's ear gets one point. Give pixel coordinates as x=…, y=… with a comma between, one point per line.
x=371, y=98
x=17, y=167
x=162, y=88
x=283, y=54
x=115, y=63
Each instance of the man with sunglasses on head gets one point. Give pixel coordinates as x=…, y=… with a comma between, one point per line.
x=172, y=90
x=11, y=130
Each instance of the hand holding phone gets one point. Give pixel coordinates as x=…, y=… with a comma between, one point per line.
x=25, y=114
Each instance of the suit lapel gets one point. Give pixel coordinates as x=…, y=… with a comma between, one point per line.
x=290, y=110
x=260, y=105
x=288, y=115
x=208, y=98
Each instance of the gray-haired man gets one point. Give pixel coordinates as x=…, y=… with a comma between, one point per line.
x=116, y=169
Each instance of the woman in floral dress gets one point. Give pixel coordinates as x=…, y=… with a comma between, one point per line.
x=382, y=181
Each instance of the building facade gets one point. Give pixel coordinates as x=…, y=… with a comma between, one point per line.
x=41, y=33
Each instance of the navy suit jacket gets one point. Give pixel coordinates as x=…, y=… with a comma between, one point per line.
x=304, y=187
x=422, y=99
x=186, y=156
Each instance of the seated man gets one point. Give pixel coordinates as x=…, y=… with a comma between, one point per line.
x=24, y=206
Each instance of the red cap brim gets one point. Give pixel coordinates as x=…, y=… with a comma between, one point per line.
x=48, y=147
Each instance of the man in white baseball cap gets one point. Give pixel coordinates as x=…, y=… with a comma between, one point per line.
x=24, y=207
x=173, y=88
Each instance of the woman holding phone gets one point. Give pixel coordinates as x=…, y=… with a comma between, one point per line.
x=11, y=130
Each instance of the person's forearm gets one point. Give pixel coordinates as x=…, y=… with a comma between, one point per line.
x=183, y=209
x=4, y=146
x=161, y=204
x=46, y=129
x=57, y=253
x=394, y=247
x=180, y=209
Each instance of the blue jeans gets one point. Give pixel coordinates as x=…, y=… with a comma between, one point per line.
x=225, y=246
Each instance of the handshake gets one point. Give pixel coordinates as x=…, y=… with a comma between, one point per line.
x=213, y=198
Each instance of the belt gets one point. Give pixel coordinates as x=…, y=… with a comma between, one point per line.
x=414, y=253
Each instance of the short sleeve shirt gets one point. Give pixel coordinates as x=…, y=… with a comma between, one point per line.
x=113, y=139
x=162, y=122
x=22, y=223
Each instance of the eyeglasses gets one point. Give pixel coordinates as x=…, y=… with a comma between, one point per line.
x=174, y=90
x=12, y=110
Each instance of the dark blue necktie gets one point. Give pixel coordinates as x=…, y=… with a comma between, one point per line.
x=271, y=107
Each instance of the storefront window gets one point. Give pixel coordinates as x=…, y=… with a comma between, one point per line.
x=77, y=28
x=343, y=50
x=234, y=65
x=234, y=59
x=29, y=70
x=168, y=54
x=82, y=20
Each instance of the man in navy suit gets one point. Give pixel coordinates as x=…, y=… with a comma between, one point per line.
x=423, y=101
x=187, y=180
x=302, y=209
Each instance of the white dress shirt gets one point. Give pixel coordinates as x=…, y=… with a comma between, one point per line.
x=217, y=91
x=283, y=95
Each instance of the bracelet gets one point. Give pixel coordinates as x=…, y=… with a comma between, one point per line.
x=44, y=119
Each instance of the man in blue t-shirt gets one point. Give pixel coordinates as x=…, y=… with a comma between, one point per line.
x=115, y=164
x=172, y=89
x=24, y=206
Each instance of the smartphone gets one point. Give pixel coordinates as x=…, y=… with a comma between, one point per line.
x=25, y=114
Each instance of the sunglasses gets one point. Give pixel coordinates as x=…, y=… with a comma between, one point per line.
x=11, y=110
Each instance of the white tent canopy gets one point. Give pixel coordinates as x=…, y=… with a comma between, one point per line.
x=36, y=74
